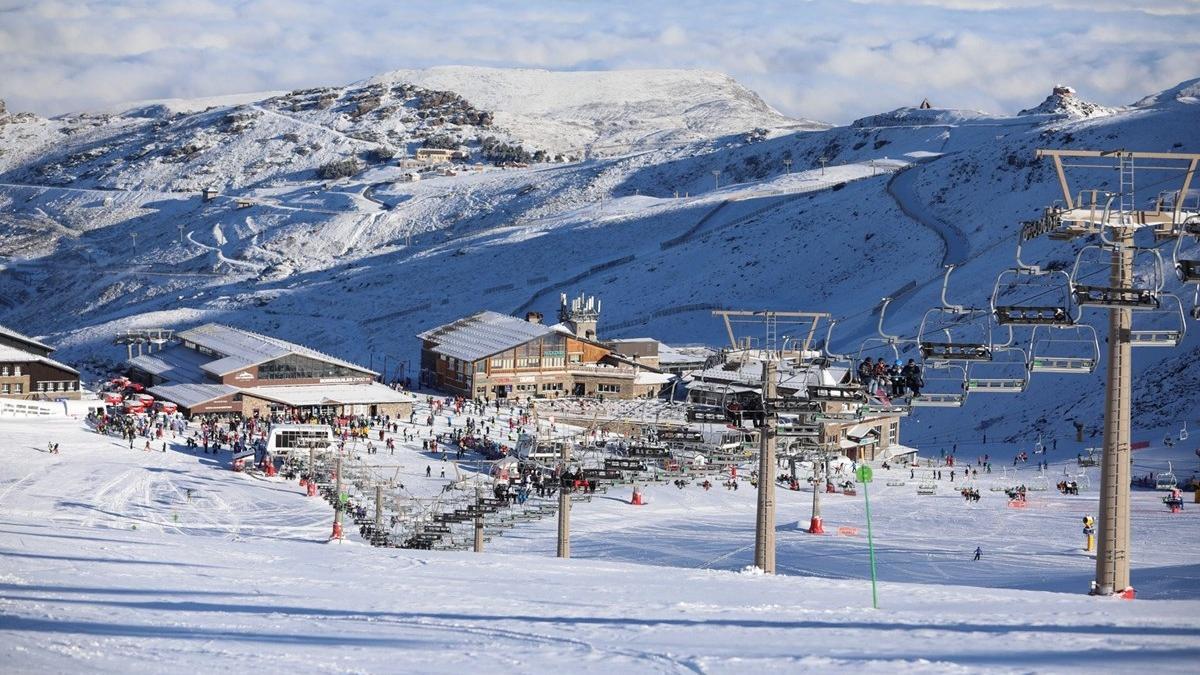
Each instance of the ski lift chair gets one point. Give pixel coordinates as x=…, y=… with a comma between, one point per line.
x=1077, y=352
x=884, y=406
x=1137, y=296
x=849, y=391
x=1040, y=483
x=941, y=319
x=1006, y=373
x=1187, y=268
x=1170, y=335
x=1167, y=480
x=1057, y=312
x=949, y=384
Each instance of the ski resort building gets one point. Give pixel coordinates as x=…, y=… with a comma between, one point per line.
x=225, y=370
x=738, y=386
x=495, y=356
x=27, y=371
x=667, y=358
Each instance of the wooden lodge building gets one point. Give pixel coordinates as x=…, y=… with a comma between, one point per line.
x=27, y=372
x=225, y=370
x=495, y=356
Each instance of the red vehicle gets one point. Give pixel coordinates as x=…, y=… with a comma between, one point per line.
x=135, y=386
x=134, y=407
x=167, y=408
x=114, y=398
x=146, y=399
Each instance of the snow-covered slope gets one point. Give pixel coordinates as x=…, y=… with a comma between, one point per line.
x=359, y=265
x=607, y=112
x=119, y=560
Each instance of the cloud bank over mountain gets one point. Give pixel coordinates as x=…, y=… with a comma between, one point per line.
x=813, y=59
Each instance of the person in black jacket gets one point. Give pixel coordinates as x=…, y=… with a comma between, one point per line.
x=913, y=378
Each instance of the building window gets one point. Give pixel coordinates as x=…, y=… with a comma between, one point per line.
x=18, y=388
x=3, y=371
x=893, y=433
x=528, y=362
x=576, y=358
x=502, y=364
x=296, y=367
x=4, y=389
x=480, y=366
x=608, y=388
x=17, y=371
x=552, y=386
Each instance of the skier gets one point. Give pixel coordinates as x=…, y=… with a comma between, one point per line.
x=428, y=471
x=978, y=552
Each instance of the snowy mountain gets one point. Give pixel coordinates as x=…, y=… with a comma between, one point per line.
x=1063, y=102
x=607, y=112
x=103, y=227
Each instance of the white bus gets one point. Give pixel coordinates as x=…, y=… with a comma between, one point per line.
x=287, y=440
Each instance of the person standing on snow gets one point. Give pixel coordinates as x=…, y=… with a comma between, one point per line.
x=978, y=552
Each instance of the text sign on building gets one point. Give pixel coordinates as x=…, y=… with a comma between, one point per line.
x=244, y=375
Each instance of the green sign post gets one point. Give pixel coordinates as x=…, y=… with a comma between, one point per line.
x=864, y=475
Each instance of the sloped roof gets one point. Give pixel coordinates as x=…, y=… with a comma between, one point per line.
x=345, y=394
x=481, y=335
x=177, y=364
x=241, y=348
x=14, y=355
x=190, y=394
x=10, y=333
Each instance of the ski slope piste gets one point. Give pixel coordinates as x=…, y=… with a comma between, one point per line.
x=115, y=559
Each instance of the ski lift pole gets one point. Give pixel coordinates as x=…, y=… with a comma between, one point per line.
x=479, y=520
x=864, y=476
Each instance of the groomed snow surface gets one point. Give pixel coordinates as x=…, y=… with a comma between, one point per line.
x=107, y=565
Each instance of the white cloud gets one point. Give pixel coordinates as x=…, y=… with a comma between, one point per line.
x=822, y=59
x=1155, y=7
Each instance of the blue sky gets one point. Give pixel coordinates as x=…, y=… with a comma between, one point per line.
x=827, y=60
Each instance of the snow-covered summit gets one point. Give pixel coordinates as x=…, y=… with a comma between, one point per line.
x=908, y=116
x=606, y=111
x=1064, y=102
x=1187, y=91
